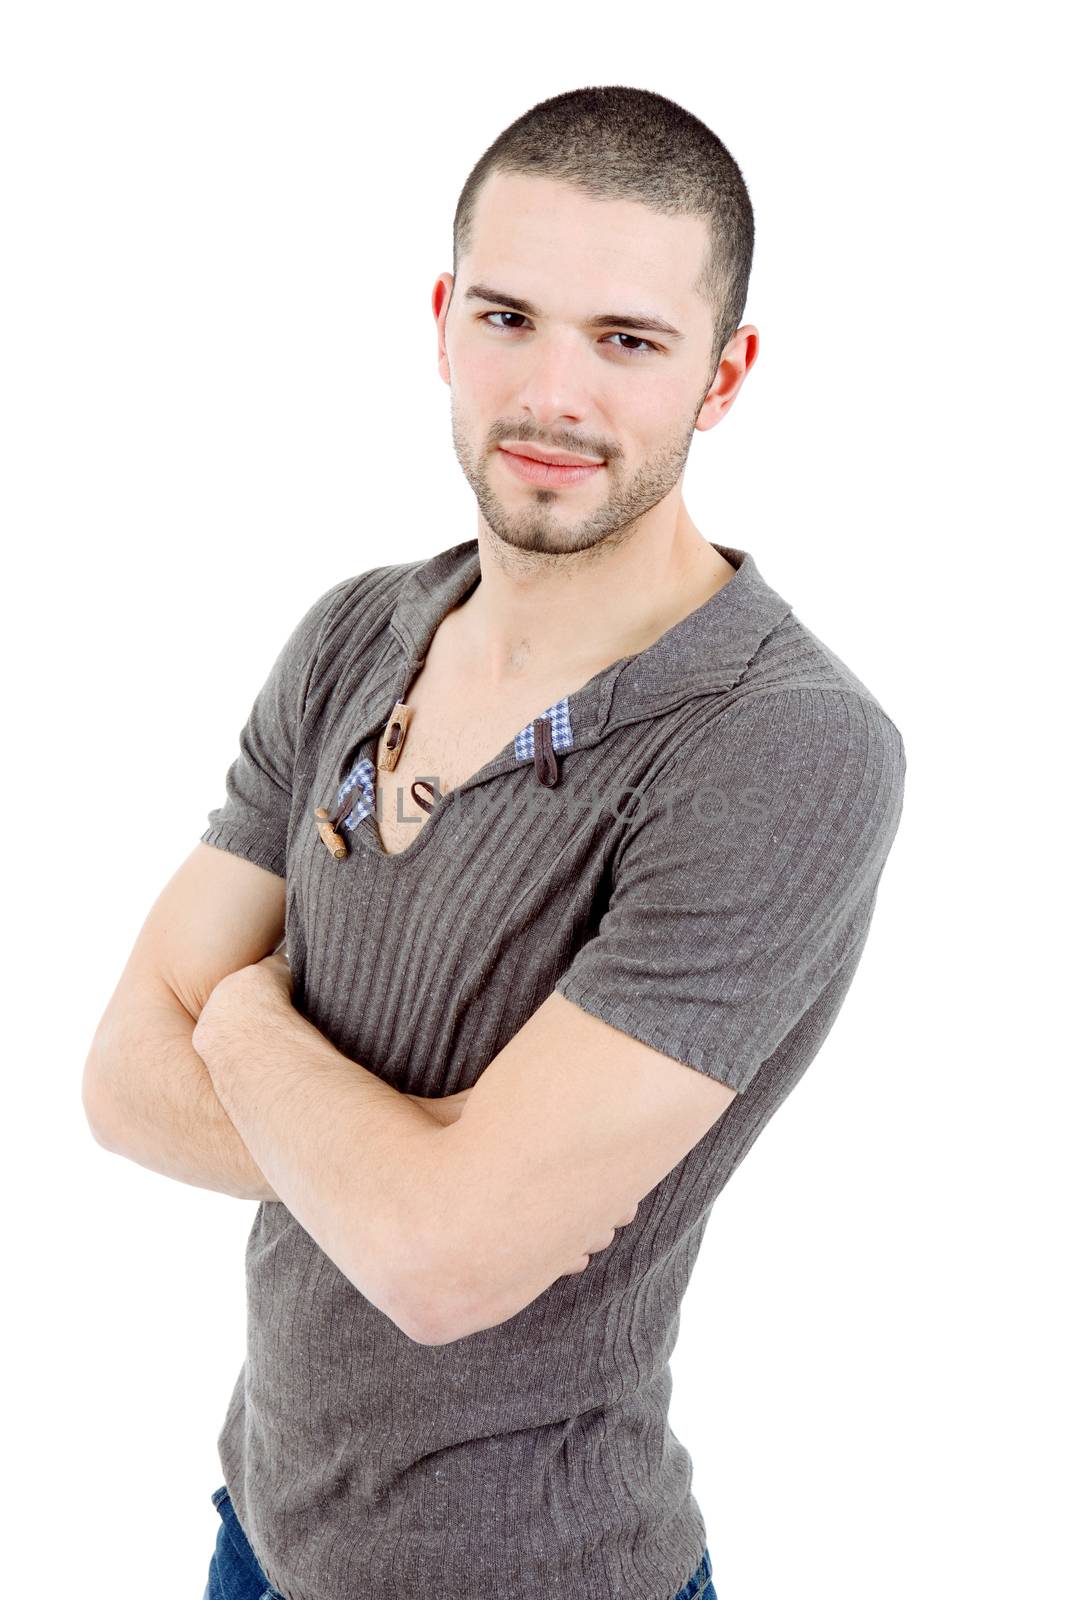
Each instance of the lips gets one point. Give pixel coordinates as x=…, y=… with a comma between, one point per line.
x=546, y=472
x=552, y=458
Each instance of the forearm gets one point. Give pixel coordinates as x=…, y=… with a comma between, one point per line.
x=353, y=1158
x=150, y=1098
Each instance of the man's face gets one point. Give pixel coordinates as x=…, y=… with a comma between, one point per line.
x=623, y=394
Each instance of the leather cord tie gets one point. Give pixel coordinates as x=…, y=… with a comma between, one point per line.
x=420, y=800
x=545, y=764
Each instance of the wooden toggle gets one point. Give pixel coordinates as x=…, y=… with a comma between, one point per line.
x=396, y=728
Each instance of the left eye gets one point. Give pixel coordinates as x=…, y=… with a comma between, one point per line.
x=626, y=349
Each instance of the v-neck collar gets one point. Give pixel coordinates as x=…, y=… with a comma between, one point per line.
x=708, y=650
x=363, y=773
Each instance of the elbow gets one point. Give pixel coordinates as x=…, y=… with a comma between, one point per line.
x=98, y=1097
x=95, y=1103
x=438, y=1323
x=453, y=1300
x=428, y=1308
x=444, y=1320
x=462, y=1271
x=440, y=1295
x=464, y=1296
x=430, y=1333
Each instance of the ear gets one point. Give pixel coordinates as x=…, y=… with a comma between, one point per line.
x=441, y=299
x=739, y=352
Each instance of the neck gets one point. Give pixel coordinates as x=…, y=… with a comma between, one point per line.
x=534, y=615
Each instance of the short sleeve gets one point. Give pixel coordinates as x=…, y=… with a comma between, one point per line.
x=253, y=820
x=745, y=878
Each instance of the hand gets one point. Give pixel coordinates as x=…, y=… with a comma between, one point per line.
x=275, y=969
x=237, y=1001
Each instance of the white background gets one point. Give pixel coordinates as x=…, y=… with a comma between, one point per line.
x=220, y=397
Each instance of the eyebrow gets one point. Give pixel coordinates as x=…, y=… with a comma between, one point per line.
x=643, y=321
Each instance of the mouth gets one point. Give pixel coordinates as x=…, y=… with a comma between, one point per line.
x=547, y=472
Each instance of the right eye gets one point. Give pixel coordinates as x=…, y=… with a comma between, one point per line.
x=486, y=315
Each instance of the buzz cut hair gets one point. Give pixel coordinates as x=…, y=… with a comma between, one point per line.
x=619, y=143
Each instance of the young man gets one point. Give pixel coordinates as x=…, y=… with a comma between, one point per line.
x=573, y=831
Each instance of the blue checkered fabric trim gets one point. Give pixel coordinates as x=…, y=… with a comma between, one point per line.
x=562, y=736
x=363, y=774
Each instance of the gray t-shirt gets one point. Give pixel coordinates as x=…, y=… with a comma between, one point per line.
x=702, y=876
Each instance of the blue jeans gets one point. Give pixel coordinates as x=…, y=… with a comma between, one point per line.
x=235, y=1573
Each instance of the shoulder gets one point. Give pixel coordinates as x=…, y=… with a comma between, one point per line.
x=792, y=660
x=800, y=750
x=369, y=595
x=353, y=613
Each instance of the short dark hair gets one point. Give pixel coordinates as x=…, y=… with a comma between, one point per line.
x=619, y=143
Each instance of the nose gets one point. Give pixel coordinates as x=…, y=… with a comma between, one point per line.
x=554, y=388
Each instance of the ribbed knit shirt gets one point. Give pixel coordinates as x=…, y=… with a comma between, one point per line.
x=702, y=877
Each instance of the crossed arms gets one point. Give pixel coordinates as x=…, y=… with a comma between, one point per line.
x=448, y=1220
